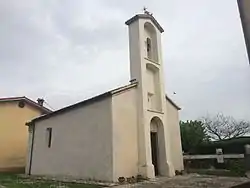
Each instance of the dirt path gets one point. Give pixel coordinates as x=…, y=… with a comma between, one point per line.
x=191, y=181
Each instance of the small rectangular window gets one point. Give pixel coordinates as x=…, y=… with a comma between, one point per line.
x=49, y=136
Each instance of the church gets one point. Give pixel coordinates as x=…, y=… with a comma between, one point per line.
x=129, y=131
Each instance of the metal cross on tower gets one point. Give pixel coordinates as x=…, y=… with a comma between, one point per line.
x=145, y=9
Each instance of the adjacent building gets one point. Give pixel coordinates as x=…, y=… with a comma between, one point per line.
x=132, y=130
x=244, y=8
x=14, y=112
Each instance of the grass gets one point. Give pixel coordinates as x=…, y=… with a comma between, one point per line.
x=215, y=172
x=8, y=180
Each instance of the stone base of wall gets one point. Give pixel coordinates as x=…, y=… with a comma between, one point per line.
x=13, y=169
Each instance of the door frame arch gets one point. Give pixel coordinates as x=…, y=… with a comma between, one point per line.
x=158, y=146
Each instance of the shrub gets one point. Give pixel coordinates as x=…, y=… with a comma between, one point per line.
x=236, y=167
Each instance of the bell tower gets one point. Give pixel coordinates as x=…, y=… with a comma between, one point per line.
x=146, y=67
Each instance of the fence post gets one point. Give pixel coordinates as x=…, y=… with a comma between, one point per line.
x=219, y=153
x=247, y=159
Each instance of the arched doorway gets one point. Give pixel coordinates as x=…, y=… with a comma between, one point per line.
x=157, y=146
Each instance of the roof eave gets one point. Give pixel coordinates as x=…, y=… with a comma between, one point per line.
x=29, y=123
x=173, y=103
x=27, y=100
x=145, y=16
x=86, y=102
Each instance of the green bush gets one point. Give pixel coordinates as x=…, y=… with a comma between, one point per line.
x=236, y=167
x=229, y=146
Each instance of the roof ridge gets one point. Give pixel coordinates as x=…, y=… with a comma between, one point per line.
x=28, y=100
x=172, y=102
x=87, y=101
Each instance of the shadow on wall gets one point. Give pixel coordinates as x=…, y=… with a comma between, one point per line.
x=13, y=170
x=17, y=165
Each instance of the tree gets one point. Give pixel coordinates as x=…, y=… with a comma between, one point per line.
x=193, y=134
x=221, y=127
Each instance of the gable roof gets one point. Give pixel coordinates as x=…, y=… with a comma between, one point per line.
x=28, y=101
x=85, y=102
x=92, y=100
x=145, y=16
x=173, y=103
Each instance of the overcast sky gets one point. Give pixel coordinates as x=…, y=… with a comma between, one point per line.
x=67, y=51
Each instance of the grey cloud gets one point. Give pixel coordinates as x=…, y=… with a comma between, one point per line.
x=20, y=36
x=55, y=48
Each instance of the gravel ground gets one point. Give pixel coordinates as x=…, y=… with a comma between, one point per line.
x=191, y=181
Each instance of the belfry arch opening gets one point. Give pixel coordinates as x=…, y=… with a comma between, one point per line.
x=158, y=151
x=151, y=46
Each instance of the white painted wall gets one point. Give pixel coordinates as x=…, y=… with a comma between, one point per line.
x=81, y=143
x=175, y=137
x=125, y=144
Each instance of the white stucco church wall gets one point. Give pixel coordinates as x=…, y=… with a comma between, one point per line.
x=129, y=131
x=125, y=147
x=175, y=137
x=81, y=139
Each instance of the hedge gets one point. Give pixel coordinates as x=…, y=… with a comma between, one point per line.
x=230, y=146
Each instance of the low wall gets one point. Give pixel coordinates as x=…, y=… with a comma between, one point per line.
x=236, y=164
